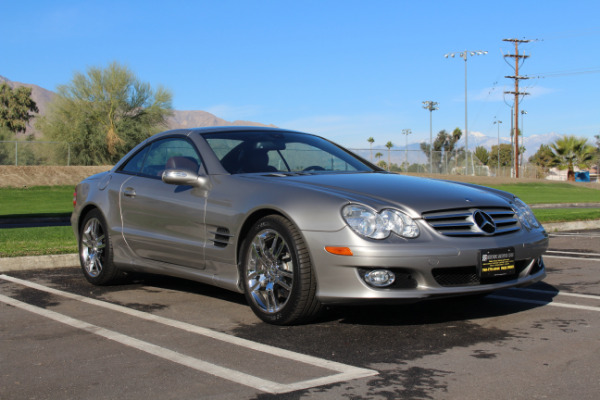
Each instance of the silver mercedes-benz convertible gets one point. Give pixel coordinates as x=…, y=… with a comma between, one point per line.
x=295, y=221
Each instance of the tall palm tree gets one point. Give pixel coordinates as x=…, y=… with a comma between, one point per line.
x=371, y=141
x=570, y=150
x=389, y=146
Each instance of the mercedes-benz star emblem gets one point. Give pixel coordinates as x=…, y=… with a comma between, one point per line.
x=484, y=222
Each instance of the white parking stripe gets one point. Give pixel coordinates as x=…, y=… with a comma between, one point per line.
x=571, y=258
x=345, y=372
x=560, y=293
x=572, y=252
x=545, y=303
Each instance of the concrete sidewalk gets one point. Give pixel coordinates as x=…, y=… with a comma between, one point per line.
x=71, y=260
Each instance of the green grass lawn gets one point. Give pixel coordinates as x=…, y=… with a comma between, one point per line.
x=547, y=215
x=15, y=242
x=551, y=193
x=36, y=201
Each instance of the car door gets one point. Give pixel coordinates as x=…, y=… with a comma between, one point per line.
x=164, y=222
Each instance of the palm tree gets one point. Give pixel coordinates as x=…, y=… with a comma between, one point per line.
x=570, y=151
x=371, y=140
x=389, y=146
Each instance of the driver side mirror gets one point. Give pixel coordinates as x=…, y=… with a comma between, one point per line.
x=184, y=177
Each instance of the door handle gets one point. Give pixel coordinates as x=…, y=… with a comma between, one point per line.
x=129, y=192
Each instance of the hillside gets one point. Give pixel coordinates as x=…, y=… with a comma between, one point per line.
x=179, y=119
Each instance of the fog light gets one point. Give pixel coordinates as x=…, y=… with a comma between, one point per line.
x=380, y=277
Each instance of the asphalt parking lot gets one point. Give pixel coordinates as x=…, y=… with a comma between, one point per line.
x=156, y=337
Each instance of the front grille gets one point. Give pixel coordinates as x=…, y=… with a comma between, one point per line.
x=463, y=223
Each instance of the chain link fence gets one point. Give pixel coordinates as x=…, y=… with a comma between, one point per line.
x=15, y=152
x=443, y=163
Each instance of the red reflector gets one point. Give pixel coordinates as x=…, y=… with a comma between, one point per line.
x=74, y=198
x=338, y=251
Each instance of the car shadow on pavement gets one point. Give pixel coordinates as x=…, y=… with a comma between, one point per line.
x=435, y=311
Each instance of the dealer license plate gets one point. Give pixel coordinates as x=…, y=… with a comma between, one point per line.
x=497, y=262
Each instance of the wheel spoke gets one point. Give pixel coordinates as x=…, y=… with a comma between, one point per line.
x=282, y=273
x=274, y=250
x=272, y=304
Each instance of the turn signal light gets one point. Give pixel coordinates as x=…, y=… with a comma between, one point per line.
x=338, y=251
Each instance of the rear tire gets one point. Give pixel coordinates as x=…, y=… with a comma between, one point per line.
x=95, y=250
x=277, y=275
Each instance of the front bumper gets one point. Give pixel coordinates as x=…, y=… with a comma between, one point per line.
x=430, y=266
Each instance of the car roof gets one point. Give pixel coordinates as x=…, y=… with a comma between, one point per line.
x=240, y=128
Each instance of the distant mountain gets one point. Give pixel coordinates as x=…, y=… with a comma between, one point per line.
x=179, y=119
x=532, y=143
x=192, y=119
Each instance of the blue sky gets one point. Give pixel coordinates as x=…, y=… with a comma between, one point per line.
x=346, y=70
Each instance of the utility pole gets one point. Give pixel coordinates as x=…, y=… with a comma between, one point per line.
x=516, y=93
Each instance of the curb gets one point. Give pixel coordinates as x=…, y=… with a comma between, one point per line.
x=572, y=226
x=9, y=264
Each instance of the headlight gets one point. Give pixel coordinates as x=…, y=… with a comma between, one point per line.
x=369, y=223
x=525, y=214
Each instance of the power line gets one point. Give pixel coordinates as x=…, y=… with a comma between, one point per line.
x=565, y=73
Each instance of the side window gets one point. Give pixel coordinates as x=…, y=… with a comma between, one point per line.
x=134, y=165
x=173, y=153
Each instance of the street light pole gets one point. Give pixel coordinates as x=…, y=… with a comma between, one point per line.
x=464, y=55
x=406, y=132
x=523, y=112
x=431, y=106
x=498, y=123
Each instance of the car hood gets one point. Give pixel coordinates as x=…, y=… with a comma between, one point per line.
x=405, y=192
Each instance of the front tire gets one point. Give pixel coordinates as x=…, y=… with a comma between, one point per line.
x=277, y=274
x=95, y=250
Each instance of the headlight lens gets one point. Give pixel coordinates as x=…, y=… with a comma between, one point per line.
x=369, y=223
x=525, y=214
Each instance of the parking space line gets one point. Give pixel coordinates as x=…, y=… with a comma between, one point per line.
x=571, y=253
x=545, y=303
x=344, y=372
x=559, y=293
x=571, y=258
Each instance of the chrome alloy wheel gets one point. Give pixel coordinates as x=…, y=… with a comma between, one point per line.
x=92, y=247
x=270, y=271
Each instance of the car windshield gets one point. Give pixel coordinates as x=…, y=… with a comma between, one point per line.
x=262, y=151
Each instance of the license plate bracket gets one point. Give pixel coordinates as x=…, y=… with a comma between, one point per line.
x=496, y=262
